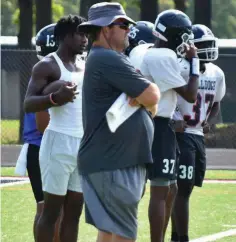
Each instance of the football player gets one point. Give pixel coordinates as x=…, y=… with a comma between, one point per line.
x=33, y=130
x=173, y=31
x=196, y=118
x=53, y=86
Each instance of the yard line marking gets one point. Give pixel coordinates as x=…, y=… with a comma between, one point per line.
x=229, y=225
x=15, y=181
x=220, y=181
x=216, y=236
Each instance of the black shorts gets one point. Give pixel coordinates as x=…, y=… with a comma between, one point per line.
x=192, y=161
x=34, y=172
x=163, y=150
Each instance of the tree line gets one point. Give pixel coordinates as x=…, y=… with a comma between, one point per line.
x=25, y=17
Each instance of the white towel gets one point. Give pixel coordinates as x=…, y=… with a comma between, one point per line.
x=119, y=112
x=21, y=163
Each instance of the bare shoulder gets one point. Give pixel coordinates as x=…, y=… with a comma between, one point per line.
x=46, y=65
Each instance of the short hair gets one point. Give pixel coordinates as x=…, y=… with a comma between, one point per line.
x=94, y=32
x=67, y=25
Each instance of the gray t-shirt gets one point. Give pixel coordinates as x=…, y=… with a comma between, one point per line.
x=107, y=75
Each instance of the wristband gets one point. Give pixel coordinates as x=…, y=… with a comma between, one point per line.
x=51, y=100
x=194, y=66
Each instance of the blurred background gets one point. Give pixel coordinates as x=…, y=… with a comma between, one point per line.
x=22, y=19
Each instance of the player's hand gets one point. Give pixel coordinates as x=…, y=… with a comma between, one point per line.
x=206, y=127
x=179, y=126
x=191, y=51
x=66, y=93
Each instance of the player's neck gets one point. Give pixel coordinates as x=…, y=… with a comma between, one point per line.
x=65, y=55
x=202, y=67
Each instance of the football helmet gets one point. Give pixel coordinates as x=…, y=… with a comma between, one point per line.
x=141, y=33
x=206, y=43
x=45, y=42
x=175, y=28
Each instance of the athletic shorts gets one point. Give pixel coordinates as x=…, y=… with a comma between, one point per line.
x=58, y=163
x=163, y=169
x=112, y=198
x=34, y=172
x=192, y=161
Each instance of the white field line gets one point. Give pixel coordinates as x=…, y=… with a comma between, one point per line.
x=22, y=180
x=25, y=180
x=220, y=181
x=215, y=237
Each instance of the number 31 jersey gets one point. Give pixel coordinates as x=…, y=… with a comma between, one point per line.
x=211, y=89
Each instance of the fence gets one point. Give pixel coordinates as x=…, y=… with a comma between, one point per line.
x=15, y=73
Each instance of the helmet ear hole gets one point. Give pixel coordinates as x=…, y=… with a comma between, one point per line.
x=45, y=42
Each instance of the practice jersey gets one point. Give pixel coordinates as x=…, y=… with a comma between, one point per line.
x=161, y=66
x=211, y=89
x=67, y=119
x=137, y=53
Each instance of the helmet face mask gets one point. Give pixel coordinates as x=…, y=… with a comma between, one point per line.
x=206, y=43
x=175, y=28
x=187, y=40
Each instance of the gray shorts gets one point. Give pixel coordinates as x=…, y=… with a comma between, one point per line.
x=162, y=182
x=112, y=198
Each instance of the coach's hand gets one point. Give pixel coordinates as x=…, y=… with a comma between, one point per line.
x=133, y=102
x=179, y=126
x=66, y=93
x=191, y=51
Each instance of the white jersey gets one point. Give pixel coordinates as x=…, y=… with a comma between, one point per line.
x=211, y=89
x=67, y=119
x=161, y=66
x=137, y=53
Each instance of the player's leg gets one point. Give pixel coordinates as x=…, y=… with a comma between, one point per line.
x=35, y=180
x=73, y=204
x=170, y=202
x=104, y=236
x=200, y=161
x=160, y=173
x=185, y=186
x=55, y=177
x=157, y=208
x=111, y=202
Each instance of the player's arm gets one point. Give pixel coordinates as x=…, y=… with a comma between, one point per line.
x=42, y=120
x=35, y=101
x=214, y=112
x=189, y=91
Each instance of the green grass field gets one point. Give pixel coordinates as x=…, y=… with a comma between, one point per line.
x=10, y=131
x=213, y=210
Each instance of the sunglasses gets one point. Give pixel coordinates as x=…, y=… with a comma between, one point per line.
x=124, y=25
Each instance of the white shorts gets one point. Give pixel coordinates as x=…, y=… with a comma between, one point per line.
x=58, y=163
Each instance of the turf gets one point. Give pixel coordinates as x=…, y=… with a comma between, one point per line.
x=213, y=210
x=210, y=174
x=10, y=131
